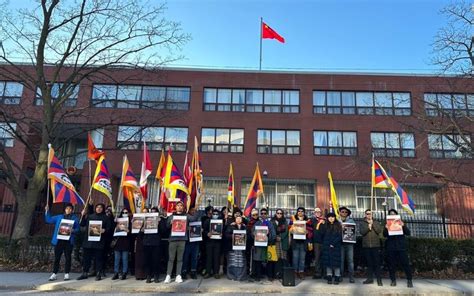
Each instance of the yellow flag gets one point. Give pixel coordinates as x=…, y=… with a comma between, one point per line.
x=335, y=205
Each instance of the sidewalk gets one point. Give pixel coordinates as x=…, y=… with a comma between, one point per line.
x=39, y=281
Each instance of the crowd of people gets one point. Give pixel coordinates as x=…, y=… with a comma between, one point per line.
x=227, y=240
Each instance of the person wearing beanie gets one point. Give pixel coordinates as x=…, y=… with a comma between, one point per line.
x=299, y=245
x=331, y=253
x=347, y=249
x=62, y=246
x=94, y=249
x=396, y=249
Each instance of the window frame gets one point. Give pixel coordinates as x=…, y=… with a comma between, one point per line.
x=8, y=99
x=269, y=149
x=391, y=152
x=439, y=110
x=166, y=104
x=328, y=147
x=4, y=126
x=69, y=102
x=445, y=153
x=151, y=145
x=238, y=148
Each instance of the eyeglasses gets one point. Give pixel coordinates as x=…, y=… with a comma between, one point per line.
x=124, y=212
x=368, y=214
x=344, y=212
x=279, y=213
x=254, y=215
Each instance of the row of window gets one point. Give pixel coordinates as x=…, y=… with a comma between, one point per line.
x=342, y=143
x=252, y=100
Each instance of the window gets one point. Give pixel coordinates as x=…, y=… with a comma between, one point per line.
x=335, y=143
x=59, y=90
x=449, y=146
x=10, y=92
x=137, y=96
x=222, y=140
x=7, y=134
x=157, y=138
x=251, y=100
x=449, y=104
x=278, y=142
x=393, y=144
x=363, y=103
x=285, y=194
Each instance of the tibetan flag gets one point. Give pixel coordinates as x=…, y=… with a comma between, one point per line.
x=173, y=180
x=102, y=179
x=334, y=202
x=255, y=191
x=129, y=186
x=187, y=169
x=92, y=152
x=269, y=33
x=61, y=186
x=160, y=172
x=231, y=187
x=145, y=172
x=379, y=179
x=403, y=198
x=195, y=183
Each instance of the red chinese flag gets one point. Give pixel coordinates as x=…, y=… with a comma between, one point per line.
x=92, y=152
x=269, y=33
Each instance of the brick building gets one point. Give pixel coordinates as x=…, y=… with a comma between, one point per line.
x=297, y=126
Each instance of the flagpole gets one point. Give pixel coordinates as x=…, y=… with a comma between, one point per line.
x=372, y=184
x=261, y=28
x=47, y=176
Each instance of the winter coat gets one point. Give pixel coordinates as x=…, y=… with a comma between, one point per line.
x=106, y=225
x=370, y=238
x=396, y=242
x=317, y=234
x=154, y=239
x=331, y=256
x=281, y=231
x=260, y=253
x=57, y=222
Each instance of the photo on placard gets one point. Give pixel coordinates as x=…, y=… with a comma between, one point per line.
x=178, y=226
x=239, y=239
x=195, y=231
x=151, y=223
x=137, y=222
x=65, y=229
x=216, y=229
x=349, y=233
x=95, y=230
x=121, y=227
x=394, y=225
x=261, y=235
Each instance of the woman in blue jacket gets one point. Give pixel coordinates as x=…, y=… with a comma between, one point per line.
x=62, y=245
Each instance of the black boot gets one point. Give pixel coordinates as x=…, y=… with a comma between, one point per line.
x=351, y=279
x=393, y=283
x=83, y=276
x=193, y=275
x=368, y=281
x=115, y=277
x=409, y=284
x=329, y=278
x=156, y=278
x=98, y=277
x=124, y=276
x=337, y=280
x=379, y=282
x=148, y=279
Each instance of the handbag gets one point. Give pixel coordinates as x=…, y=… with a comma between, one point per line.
x=272, y=253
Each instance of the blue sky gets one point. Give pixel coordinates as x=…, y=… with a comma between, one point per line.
x=331, y=35
x=341, y=35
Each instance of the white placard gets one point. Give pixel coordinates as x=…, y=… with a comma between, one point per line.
x=195, y=231
x=121, y=227
x=239, y=239
x=349, y=233
x=151, y=223
x=299, y=230
x=94, y=231
x=178, y=226
x=394, y=225
x=261, y=236
x=215, y=229
x=65, y=229
x=137, y=222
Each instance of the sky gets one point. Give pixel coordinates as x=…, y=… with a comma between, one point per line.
x=337, y=35
x=332, y=35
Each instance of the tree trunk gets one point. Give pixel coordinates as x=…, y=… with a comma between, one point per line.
x=27, y=204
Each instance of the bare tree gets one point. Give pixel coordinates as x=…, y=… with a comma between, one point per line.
x=71, y=43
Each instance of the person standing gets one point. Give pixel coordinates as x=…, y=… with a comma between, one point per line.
x=151, y=249
x=62, y=246
x=299, y=245
x=259, y=253
x=191, y=251
x=347, y=249
x=121, y=249
x=371, y=231
x=317, y=220
x=331, y=252
x=237, y=265
x=281, y=241
x=94, y=249
x=176, y=245
x=213, y=247
x=395, y=246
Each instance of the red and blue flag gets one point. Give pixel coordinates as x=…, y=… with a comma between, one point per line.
x=255, y=191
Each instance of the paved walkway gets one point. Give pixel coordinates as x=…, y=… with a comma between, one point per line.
x=39, y=281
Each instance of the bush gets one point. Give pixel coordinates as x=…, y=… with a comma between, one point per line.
x=34, y=251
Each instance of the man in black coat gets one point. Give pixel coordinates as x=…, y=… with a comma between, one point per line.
x=94, y=249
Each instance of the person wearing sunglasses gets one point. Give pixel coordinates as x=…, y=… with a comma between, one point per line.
x=371, y=231
x=317, y=220
x=259, y=253
x=298, y=244
x=254, y=218
x=281, y=243
x=347, y=249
